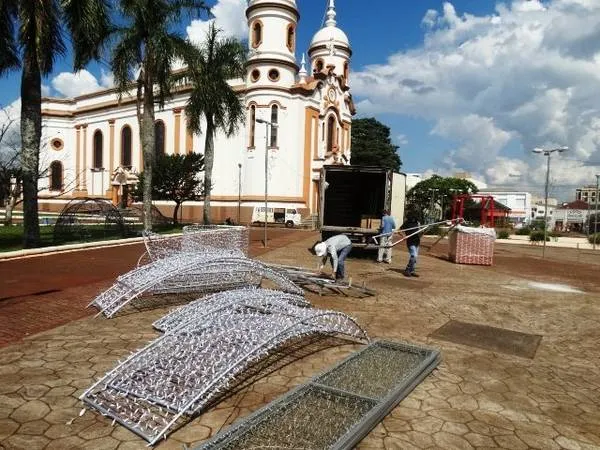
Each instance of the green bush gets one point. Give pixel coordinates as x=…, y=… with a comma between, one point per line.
x=503, y=234
x=538, y=236
x=525, y=231
x=594, y=237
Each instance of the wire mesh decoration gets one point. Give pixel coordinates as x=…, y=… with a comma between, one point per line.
x=188, y=273
x=89, y=218
x=207, y=346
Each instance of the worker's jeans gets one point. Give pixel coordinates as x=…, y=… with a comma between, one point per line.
x=413, y=251
x=341, y=268
x=385, y=252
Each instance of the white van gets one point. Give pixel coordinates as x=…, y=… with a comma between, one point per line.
x=288, y=216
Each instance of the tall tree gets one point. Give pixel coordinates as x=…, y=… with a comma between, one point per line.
x=217, y=61
x=31, y=38
x=372, y=145
x=437, y=192
x=176, y=178
x=148, y=44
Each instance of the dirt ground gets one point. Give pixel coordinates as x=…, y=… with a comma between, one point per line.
x=476, y=398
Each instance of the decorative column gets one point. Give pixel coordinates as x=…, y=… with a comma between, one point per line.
x=77, y=158
x=189, y=140
x=111, y=155
x=84, y=159
x=177, y=131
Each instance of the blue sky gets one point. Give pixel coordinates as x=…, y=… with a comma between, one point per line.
x=497, y=79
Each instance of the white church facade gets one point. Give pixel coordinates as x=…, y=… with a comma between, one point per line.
x=91, y=139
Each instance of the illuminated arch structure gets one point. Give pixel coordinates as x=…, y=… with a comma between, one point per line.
x=207, y=346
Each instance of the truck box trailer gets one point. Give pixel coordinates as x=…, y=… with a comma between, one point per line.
x=353, y=199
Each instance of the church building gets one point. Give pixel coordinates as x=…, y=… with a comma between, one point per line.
x=91, y=143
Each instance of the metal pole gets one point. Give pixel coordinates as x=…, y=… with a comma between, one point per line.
x=239, y=220
x=266, y=176
x=596, y=209
x=548, y=154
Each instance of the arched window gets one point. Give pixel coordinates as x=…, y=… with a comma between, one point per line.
x=159, y=138
x=126, y=146
x=98, y=151
x=291, y=38
x=346, y=72
x=274, y=120
x=252, y=126
x=330, y=133
x=256, y=34
x=56, y=176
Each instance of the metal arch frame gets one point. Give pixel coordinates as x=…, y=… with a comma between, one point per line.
x=305, y=323
x=174, y=274
x=178, y=317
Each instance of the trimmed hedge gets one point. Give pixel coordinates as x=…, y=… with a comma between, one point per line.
x=525, y=231
x=538, y=236
x=503, y=234
x=594, y=237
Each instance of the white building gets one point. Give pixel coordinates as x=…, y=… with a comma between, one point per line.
x=587, y=194
x=519, y=203
x=91, y=137
x=412, y=179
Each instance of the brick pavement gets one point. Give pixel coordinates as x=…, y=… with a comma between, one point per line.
x=43, y=292
x=476, y=399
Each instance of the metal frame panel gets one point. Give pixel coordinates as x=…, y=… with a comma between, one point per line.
x=380, y=407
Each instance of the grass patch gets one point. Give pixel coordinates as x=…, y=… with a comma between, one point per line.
x=11, y=238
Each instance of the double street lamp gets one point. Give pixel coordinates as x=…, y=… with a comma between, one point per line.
x=268, y=125
x=547, y=153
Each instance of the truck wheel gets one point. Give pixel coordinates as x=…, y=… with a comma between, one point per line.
x=289, y=224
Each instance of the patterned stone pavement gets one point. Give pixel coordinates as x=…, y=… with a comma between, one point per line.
x=475, y=399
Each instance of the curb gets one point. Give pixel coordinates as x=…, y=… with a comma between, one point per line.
x=34, y=252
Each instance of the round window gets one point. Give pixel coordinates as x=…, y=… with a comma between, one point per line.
x=255, y=75
x=57, y=144
x=274, y=75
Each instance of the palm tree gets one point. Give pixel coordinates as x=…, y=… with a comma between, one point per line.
x=209, y=69
x=31, y=38
x=148, y=45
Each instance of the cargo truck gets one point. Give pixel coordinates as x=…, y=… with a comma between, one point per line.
x=353, y=198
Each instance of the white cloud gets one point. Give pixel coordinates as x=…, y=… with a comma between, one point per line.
x=10, y=122
x=526, y=75
x=401, y=140
x=229, y=16
x=69, y=84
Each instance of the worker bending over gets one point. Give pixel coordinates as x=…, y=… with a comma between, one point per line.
x=337, y=248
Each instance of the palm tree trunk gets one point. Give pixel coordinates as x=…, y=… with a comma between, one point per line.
x=31, y=132
x=175, y=212
x=147, y=140
x=209, y=157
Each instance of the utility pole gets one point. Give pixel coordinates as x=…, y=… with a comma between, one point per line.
x=267, y=125
x=596, y=210
x=548, y=154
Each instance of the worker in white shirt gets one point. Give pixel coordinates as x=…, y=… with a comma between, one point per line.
x=337, y=248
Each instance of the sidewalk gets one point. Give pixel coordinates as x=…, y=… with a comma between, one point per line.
x=564, y=242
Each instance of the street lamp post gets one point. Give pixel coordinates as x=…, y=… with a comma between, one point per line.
x=548, y=154
x=596, y=209
x=239, y=214
x=267, y=125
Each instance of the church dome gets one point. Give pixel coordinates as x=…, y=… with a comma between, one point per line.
x=330, y=33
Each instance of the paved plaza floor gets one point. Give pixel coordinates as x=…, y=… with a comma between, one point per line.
x=476, y=398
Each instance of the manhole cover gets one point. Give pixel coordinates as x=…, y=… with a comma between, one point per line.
x=489, y=338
